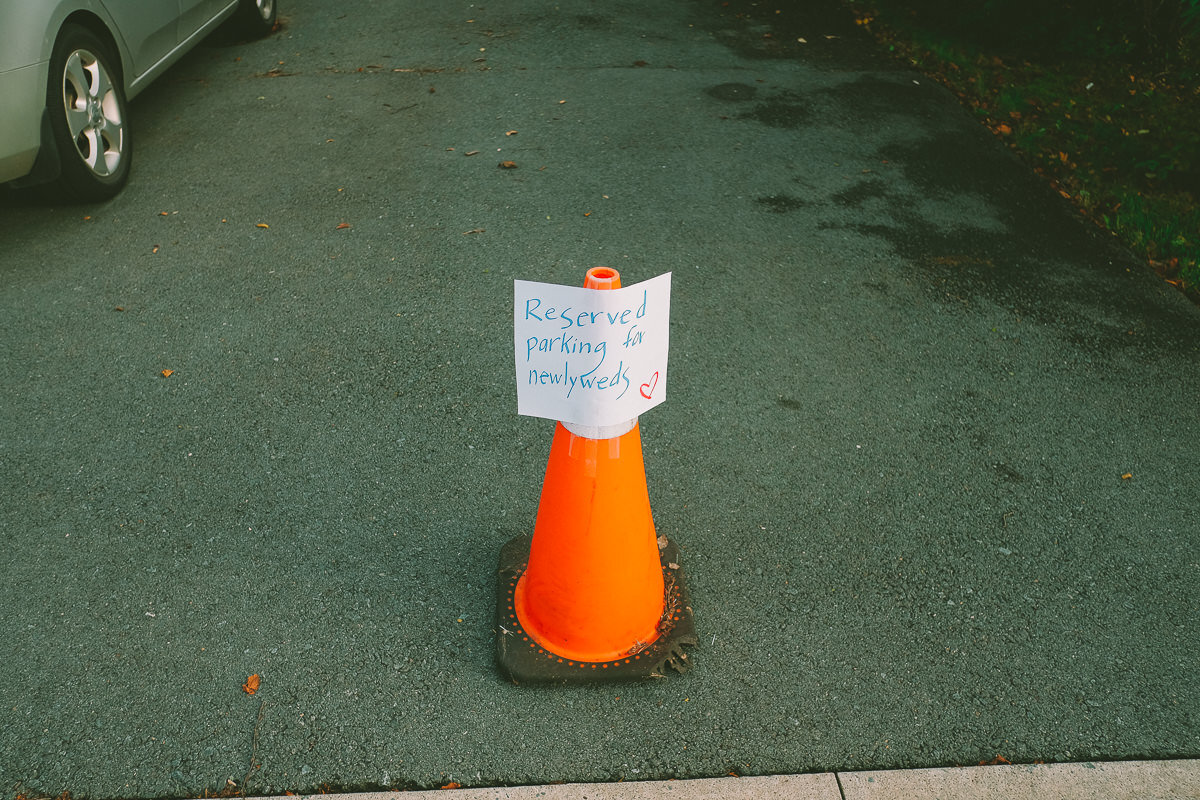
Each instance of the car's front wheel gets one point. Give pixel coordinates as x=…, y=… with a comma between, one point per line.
x=88, y=117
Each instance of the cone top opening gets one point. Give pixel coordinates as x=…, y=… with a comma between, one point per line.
x=602, y=278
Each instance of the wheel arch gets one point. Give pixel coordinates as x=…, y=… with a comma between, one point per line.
x=101, y=30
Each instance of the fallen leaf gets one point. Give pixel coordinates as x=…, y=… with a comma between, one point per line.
x=1127, y=476
x=343, y=225
x=1003, y=129
x=162, y=213
x=473, y=230
x=154, y=249
x=119, y=308
x=510, y=133
x=261, y=225
x=166, y=373
x=508, y=165
x=471, y=153
x=452, y=785
x=251, y=684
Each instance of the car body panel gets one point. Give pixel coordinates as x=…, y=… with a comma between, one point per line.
x=28, y=30
x=21, y=136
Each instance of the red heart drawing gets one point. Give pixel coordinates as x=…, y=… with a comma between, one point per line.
x=648, y=386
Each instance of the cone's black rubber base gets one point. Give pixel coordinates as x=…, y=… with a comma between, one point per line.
x=522, y=660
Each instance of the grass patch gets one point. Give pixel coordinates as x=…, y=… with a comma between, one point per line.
x=1110, y=121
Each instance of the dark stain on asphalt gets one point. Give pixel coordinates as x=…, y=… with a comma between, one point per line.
x=732, y=92
x=1007, y=473
x=784, y=110
x=860, y=192
x=781, y=203
x=592, y=21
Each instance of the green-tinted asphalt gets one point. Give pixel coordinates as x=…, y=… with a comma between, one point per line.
x=906, y=384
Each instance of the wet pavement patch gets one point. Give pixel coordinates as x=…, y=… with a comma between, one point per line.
x=784, y=110
x=870, y=98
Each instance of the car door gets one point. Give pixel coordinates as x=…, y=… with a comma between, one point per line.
x=148, y=28
x=195, y=14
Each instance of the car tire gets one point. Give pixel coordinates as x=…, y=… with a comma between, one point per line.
x=255, y=18
x=89, y=118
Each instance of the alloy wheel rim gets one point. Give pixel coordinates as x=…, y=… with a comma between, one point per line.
x=94, y=115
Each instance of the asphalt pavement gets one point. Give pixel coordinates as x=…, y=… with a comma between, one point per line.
x=929, y=452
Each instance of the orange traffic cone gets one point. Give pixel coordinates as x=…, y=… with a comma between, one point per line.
x=594, y=594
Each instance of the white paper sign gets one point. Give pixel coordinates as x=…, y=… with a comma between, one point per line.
x=591, y=357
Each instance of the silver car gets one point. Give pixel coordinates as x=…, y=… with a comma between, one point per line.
x=68, y=68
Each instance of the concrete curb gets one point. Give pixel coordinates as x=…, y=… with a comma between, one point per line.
x=1132, y=780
